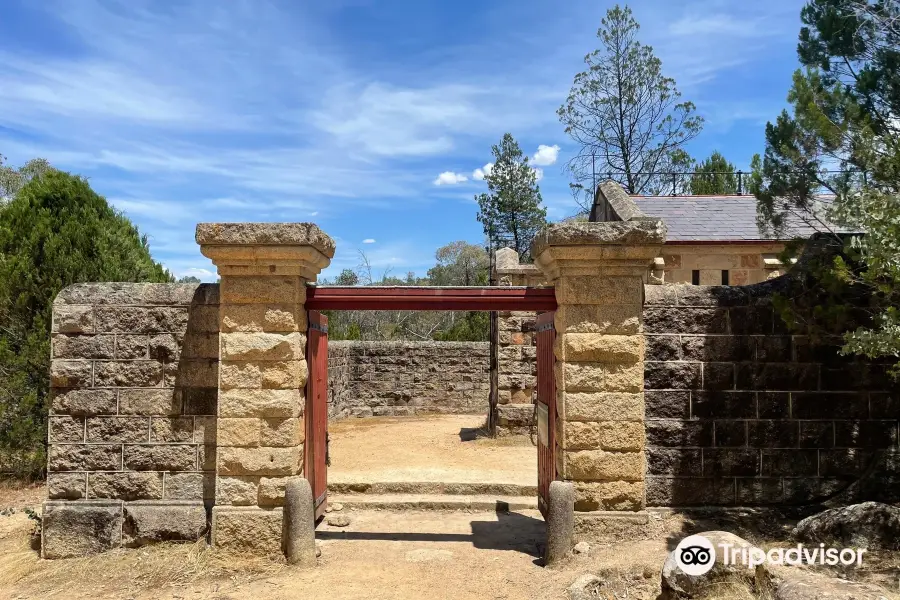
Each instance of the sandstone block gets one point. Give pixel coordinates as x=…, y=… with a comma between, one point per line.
x=238, y=432
x=149, y=402
x=70, y=373
x=601, y=406
x=237, y=491
x=260, y=317
x=203, y=319
x=603, y=348
x=271, y=491
x=260, y=403
x=132, y=346
x=73, y=319
x=200, y=345
x=83, y=402
x=71, y=530
x=205, y=430
x=593, y=289
x=170, y=457
x=82, y=346
x=277, y=462
x=206, y=457
x=148, y=524
x=262, y=290
x=68, y=486
x=269, y=375
x=196, y=372
x=189, y=486
x=84, y=457
x=136, y=319
x=625, y=378
x=609, y=495
x=593, y=465
x=199, y=401
x=133, y=373
x=66, y=429
x=606, y=435
x=281, y=432
x=583, y=377
x=126, y=486
x=262, y=346
x=166, y=346
x=118, y=429
x=250, y=530
x=172, y=429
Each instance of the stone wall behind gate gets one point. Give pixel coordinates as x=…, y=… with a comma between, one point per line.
x=741, y=412
x=405, y=378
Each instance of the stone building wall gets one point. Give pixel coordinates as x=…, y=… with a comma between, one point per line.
x=132, y=427
x=405, y=378
x=745, y=263
x=741, y=412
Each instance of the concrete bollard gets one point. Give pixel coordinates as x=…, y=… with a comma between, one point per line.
x=560, y=521
x=298, y=528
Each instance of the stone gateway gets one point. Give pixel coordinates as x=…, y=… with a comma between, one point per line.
x=177, y=410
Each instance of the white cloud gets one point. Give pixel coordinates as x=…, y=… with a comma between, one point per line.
x=479, y=174
x=450, y=178
x=204, y=274
x=545, y=155
x=538, y=174
x=369, y=241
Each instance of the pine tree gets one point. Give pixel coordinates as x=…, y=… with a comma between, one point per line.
x=714, y=176
x=511, y=210
x=55, y=232
x=625, y=115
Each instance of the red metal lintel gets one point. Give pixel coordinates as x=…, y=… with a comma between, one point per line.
x=430, y=298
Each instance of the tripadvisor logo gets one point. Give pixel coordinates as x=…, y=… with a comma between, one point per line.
x=696, y=555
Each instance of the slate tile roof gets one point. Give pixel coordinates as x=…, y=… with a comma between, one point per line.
x=714, y=218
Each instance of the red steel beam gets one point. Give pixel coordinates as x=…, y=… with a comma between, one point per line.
x=430, y=298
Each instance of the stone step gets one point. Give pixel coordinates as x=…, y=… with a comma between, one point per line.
x=432, y=487
x=433, y=502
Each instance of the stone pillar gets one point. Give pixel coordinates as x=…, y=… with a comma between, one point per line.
x=264, y=269
x=599, y=271
x=517, y=353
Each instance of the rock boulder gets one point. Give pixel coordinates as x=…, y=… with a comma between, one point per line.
x=870, y=525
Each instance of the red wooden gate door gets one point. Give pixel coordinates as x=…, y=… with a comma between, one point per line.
x=316, y=415
x=546, y=408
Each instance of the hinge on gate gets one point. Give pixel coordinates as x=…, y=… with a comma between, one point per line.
x=327, y=450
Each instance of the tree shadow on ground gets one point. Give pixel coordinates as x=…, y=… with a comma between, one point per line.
x=756, y=525
x=511, y=531
x=470, y=434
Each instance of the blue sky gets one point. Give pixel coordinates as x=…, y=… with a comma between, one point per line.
x=347, y=112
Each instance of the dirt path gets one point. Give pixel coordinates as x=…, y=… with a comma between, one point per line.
x=402, y=555
x=431, y=448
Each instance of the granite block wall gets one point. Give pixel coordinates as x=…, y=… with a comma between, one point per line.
x=405, y=378
x=134, y=379
x=741, y=412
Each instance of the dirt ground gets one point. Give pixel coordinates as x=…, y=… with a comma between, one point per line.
x=444, y=448
x=381, y=554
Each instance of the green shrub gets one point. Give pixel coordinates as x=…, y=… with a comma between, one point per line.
x=56, y=231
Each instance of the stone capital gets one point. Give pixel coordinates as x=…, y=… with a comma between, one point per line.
x=612, y=248
x=266, y=248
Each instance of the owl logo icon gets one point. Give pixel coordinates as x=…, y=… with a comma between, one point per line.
x=695, y=555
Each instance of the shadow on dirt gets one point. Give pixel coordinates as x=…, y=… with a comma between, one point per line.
x=511, y=531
